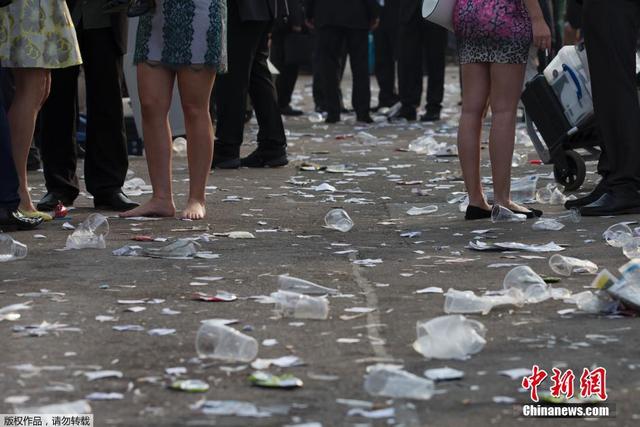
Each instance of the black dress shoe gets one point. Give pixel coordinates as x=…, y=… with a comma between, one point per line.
x=331, y=118
x=11, y=220
x=586, y=200
x=117, y=201
x=225, y=162
x=51, y=200
x=613, y=204
x=290, y=111
x=364, y=118
x=430, y=116
x=474, y=213
x=261, y=160
x=404, y=113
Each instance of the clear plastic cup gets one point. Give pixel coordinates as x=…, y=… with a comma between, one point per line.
x=11, y=250
x=338, y=219
x=216, y=341
x=502, y=214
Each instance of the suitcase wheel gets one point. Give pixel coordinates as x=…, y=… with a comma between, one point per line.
x=576, y=173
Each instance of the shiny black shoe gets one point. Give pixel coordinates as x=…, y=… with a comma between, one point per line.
x=117, y=201
x=430, y=116
x=51, y=200
x=364, y=118
x=261, y=160
x=141, y=7
x=11, y=220
x=473, y=213
x=612, y=204
x=332, y=119
x=291, y=112
x=586, y=200
x=225, y=162
x=404, y=113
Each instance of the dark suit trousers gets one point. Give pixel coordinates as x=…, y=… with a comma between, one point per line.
x=421, y=40
x=286, y=80
x=106, y=160
x=248, y=73
x=611, y=30
x=9, y=197
x=386, y=39
x=356, y=41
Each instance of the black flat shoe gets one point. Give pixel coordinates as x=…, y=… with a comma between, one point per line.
x=290, y=111
x=225, y=163
x=409, y=115
x=474, y=213
x=612, y=204
x=332, y=119
x=364, y=118
x=533, y=213
x=261, y=160
x=11, y=220
x=430, y=116
x=117, y=201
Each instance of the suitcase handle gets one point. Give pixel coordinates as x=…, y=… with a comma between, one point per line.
x=574, y=77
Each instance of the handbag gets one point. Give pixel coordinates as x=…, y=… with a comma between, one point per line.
x=439, y=12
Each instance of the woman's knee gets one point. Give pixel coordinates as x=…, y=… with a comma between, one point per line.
x=194, y=110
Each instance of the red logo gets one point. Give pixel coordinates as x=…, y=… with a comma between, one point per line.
x=533, y=381
x=592, y=383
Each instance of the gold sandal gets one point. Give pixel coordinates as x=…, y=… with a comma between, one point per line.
x=37, y=214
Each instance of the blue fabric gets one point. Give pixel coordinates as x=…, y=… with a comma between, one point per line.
x=8, y=178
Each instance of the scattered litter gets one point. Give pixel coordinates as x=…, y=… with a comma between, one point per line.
x=90, y=234
x=398, y=384
x=267, y=380
x=443, y=374
x=450, y=337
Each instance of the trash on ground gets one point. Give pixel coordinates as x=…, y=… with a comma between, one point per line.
x=216, y=341
x=267, y=380
x=293, y=284
x=565, y=266
x=90, y=234
x=450, y=337
x=398, y=384
x=299, y=306
x=338, y=219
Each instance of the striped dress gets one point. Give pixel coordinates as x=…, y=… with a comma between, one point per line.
x=191, y=33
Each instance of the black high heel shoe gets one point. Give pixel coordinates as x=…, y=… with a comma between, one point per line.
x=474, y=213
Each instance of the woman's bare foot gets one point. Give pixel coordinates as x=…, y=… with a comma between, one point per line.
x=152, y=208
x=194, y=209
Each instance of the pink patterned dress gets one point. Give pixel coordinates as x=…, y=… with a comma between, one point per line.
x=492, y=31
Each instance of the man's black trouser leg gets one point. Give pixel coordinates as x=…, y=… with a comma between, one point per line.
x=358, y=50
x=232, y=88
x=410, y=50
x=271, y=138
x=329, y=38
x=286, y=80
x=58, y=144
x=611, y=30
x=435, y=41
x=106, y=160
x=385, y=42
x=9, y=198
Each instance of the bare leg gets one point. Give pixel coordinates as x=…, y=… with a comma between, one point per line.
x=155, y=87
x=195, y=92
x=476, y=83
x=506, y=87
x=32, y=89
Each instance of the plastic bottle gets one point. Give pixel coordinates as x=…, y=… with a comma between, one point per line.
x=338, y=219
x=216, y=341
x=11, y=250
x=299, y=306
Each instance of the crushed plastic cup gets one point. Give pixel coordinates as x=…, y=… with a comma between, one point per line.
x=386, y=381
x=315, y=117
x=502, y=214
x=456, y=197
x=618, y=235
x=450, y=337
x=467, y=302
x=594, y=302
x=528, y=282
x=424, y=210
x=180, y=249
x=524, y=189
x=293, y=284
x=90, y=234
x=11, y=250
x=179, y=146
x=217, y=341
x=574, y=216
x=299, y=306
x=547, y=224
x=557, y=198
x=519, y=159
x=423, y=145
x=627, y=291
x=565, y=265
x=338, y=219
x=631, y=248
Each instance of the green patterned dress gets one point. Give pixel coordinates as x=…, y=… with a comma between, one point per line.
x=38, y=34
x=183, y=33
